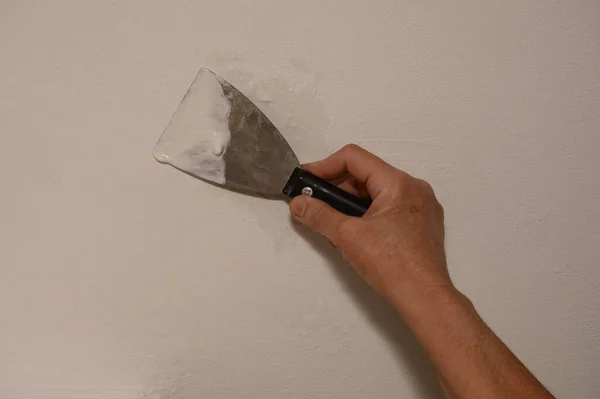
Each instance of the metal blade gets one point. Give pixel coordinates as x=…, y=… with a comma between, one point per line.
x=256, y=159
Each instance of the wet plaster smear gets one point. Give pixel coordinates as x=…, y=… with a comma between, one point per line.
x=198, y=134
x=123, y=278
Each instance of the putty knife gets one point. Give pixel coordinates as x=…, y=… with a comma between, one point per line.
x=220, y=136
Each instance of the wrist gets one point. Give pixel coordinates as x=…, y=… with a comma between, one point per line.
x=415, y=302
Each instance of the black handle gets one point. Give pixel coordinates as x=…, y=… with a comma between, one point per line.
x=302, y=182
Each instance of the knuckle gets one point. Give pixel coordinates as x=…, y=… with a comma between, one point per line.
x=425, y=186
x=351, y=147
x=424, y=191
x=397, y=183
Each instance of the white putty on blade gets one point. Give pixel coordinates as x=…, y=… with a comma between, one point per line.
x=198, y=134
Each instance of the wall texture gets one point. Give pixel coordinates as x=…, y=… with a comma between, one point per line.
x=123, y=278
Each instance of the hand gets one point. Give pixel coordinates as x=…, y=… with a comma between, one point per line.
x=398, y=245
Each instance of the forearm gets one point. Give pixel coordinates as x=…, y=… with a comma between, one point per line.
x=398, y=247
x=472, y=361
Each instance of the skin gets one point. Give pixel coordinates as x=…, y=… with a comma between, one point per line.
x=398, y=248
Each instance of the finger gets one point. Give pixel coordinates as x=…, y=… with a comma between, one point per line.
x=348, y=187
x=353, y=187
x=318, y=216
x=351, y=159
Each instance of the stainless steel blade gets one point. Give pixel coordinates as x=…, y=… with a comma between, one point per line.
x=257, y=159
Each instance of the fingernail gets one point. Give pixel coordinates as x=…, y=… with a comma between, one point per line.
x=298, y=206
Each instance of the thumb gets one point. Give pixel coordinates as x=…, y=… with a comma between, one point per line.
x=318, y=216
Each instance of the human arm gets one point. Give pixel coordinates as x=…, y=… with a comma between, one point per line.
x=398, y=247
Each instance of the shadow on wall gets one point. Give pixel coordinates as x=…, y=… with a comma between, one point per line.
x=180, y=376
x=383, y=317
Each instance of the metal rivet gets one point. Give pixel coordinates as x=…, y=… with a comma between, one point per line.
x=307, y=191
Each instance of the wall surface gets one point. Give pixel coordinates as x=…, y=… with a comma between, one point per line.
x=123, y=278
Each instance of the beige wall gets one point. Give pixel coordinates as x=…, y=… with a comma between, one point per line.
x=121, y=277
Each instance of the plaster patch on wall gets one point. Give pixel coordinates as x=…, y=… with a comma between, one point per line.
x=289, y=95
